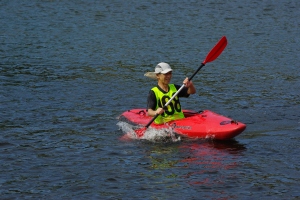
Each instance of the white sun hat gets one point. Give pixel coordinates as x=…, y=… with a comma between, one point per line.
x=162, y=68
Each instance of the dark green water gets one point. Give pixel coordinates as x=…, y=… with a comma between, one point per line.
x=69, y=68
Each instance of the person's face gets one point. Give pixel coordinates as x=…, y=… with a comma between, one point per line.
x=165, y=78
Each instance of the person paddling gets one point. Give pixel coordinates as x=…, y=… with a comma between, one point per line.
x=159, y=95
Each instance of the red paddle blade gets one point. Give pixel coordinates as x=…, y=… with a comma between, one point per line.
x=216, y=50
x=140, y=132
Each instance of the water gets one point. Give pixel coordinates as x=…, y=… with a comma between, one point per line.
x=69, y=68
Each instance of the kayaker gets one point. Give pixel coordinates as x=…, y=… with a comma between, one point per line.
x=160, y=94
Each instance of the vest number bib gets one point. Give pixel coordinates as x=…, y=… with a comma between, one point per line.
x=173, y=106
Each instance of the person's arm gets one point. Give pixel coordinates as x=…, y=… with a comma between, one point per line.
x=151, y=105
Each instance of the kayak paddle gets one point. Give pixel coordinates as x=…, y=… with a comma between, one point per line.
x=211, y=56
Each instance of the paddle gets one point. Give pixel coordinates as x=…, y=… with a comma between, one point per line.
x=211, y=56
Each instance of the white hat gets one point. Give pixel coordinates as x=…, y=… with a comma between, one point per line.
x=162, y=68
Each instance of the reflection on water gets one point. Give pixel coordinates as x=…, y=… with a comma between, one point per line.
x=211, y=157
x=197, y=162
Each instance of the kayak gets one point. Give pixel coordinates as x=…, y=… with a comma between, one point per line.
x=202, y=124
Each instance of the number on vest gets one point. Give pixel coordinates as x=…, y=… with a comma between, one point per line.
x=173, y=106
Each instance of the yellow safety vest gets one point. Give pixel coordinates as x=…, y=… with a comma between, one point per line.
x=173, y=110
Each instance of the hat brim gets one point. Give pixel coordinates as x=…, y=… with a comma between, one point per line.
x=151, y=75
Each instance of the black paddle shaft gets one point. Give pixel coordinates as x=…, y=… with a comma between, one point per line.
x=202, y=65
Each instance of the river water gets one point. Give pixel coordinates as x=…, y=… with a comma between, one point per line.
x=68, y=69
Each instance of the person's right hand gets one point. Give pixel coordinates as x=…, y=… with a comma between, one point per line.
x=159, y=111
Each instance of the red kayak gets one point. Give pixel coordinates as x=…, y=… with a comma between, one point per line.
x=203, y=124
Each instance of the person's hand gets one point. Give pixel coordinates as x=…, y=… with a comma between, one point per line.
x=159, y=111
x=187, y=83
x=190, y=86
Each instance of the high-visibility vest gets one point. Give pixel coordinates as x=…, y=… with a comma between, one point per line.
x=173, y=110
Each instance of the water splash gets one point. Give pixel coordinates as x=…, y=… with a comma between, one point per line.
x=151, y=134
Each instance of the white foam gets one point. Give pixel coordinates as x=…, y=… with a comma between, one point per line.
x=150, y=134
x=127, y=129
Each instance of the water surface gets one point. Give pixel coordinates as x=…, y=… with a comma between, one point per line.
x=68, y=69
